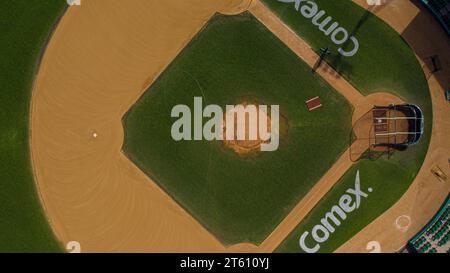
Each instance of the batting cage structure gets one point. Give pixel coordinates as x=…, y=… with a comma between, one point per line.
x=385, y=129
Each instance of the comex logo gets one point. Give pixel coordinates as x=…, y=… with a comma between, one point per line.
x=332, y=219
x=338, y=34
x=240, y=122
x=74, y=2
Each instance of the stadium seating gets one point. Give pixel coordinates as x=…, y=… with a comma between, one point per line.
x=441, y=10
x=435, y=236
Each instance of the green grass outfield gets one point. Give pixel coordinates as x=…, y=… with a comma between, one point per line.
x=235, y=59
x=384, y=63
x=25, y=26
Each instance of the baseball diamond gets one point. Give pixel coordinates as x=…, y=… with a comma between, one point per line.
x=196, y=175
x=256, y=126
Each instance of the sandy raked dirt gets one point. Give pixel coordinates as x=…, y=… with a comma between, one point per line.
x=101, y=58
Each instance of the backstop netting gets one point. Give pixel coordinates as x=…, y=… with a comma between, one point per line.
x=385, y=129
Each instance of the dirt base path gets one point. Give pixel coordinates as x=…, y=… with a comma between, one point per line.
x=101, y=58
x=426, y=195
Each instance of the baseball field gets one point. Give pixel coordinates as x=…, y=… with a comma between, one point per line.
x=87, y=153
x=238, y=197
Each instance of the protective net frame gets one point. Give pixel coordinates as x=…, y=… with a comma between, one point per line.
x=385, y=129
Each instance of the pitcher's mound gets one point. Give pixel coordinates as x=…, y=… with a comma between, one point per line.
x=250, y=144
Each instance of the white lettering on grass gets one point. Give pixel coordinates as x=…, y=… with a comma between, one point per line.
x=338, y=34
x=347, y=203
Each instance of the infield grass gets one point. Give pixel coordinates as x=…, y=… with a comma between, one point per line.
x=239, y=199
